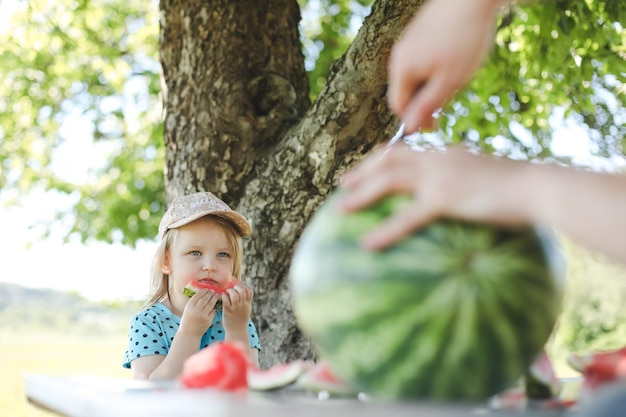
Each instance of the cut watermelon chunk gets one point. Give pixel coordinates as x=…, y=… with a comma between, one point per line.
x=599, y=368
x=278, y=376
x=321, y=378
x=221, y=365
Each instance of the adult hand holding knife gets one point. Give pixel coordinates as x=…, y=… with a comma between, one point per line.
x=440, y=50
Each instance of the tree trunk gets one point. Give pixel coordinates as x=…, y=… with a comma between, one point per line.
x=239, y=123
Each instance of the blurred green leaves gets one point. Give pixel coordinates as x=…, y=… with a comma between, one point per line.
x=327, y=30
x=86, y=72
x=563, y=53
x=593, y=315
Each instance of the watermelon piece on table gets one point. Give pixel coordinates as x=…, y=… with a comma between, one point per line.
x=278, y=376
x=321, y=378
x=195, y=285
x=599, y=368
x=455, y=311
x=540, y=385
x=221, y=365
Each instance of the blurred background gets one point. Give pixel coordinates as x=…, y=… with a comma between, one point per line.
x=81, y=179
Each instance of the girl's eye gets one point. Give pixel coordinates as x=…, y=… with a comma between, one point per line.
x=195, y=253
x=223, y=255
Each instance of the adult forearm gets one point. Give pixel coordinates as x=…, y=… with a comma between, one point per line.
x=588, y=207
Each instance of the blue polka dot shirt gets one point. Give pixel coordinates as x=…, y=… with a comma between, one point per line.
x=152, y=331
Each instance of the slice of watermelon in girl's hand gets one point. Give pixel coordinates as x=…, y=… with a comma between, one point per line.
x=221, y=365
x=196, y=285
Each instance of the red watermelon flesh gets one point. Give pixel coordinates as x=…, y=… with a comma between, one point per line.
x=195, y=285
x=321, y=378
x=221, y=365
x=599, y=368
x=277, y=376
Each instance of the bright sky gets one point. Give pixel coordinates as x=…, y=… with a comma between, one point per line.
x=97, y=271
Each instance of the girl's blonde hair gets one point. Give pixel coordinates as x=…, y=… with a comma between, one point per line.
x=159, y=282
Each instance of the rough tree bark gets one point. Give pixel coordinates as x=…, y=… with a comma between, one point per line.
x=239, y=123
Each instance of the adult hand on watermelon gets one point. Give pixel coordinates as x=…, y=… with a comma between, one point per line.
x=440, y=186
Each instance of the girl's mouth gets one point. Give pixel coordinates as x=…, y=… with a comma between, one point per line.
x=208, y=281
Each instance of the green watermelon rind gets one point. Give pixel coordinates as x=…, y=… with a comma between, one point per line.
x=325, y=274
x=189, y=291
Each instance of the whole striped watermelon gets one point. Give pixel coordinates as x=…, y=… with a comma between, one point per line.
x=455, y=311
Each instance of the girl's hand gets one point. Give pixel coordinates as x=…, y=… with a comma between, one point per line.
x=199, y=312
x=237, y=306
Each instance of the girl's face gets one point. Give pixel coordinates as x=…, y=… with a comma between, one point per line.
x=200, y=251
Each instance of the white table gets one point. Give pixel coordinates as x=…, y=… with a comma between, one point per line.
x=97, y=396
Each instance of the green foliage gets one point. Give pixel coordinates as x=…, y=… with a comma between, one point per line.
x=567, y=53
x=328, y=28
x=85, y=71
x=594, y=317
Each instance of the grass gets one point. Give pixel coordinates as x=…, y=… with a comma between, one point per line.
x=53, y=354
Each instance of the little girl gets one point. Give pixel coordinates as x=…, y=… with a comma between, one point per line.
x=200, y=239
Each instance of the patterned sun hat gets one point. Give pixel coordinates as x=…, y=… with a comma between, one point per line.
x=191, y=207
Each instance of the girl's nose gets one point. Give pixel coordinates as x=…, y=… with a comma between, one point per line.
x=208, y=266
